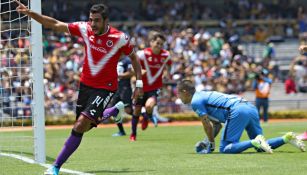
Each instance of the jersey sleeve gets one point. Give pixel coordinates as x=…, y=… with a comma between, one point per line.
x=199, y=108
x=128, y=46
x=74, y=28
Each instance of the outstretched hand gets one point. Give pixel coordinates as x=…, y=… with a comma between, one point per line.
x=21, y=8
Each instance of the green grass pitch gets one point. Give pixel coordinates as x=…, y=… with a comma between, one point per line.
x=164, y=150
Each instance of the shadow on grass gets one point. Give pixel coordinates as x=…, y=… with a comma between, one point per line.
x=194, y=153
x=26, y=154
x=126, y=170
x=248, y=153
x=287, y=152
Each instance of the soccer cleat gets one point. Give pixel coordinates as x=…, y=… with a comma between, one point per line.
x=291, y=138
x=303, y=136
x=118, y=134
x=120, y=106
x=52, y=171
x=144, y=123
x=260, y=143
x=132, y=138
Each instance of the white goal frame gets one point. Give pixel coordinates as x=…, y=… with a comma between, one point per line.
x=38, y=111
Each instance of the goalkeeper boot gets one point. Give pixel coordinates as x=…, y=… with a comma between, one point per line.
x=53, y=170
x=120, y=106
x=291, y=138
x=260, y=143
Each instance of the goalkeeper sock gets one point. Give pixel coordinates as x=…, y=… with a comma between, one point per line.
x=276, y=142
x=236, y=147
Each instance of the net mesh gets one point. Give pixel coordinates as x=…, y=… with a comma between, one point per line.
x=16, y=134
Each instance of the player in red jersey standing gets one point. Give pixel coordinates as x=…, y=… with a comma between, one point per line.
x=153, y=59
x=103, y=48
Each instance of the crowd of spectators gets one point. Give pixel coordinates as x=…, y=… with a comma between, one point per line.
x=213, y=59
x=209, y=59
x=297, y=79
x=159, y=10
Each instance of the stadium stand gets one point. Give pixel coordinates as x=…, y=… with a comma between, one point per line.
x=218, y=48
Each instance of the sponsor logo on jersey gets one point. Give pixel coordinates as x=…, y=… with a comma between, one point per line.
x=99, y=49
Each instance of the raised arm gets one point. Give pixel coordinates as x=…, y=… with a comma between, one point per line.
x=46, y=21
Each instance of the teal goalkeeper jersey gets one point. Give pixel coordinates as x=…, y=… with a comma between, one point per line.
x=215, y=104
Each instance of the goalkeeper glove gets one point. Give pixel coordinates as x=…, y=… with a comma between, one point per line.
x=204, y=147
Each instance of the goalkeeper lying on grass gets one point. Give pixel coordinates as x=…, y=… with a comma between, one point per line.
x=237, y=114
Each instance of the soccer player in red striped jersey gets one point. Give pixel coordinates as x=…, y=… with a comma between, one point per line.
x=104, y=45
x=153, y=60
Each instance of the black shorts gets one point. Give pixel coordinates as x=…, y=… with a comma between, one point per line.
x=123, y=94
x=92, y=102
x=146, y=96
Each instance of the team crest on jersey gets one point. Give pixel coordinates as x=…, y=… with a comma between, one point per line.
x=109, y=43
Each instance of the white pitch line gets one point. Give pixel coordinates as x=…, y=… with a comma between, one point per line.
x=31, y=161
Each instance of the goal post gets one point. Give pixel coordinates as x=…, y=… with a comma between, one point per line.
x=38, y=86
x=22, y=113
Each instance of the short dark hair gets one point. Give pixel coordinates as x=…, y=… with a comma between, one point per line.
x=102, y=9
x=153, y=35
x=186, y=85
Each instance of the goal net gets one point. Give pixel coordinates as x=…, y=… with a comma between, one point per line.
x=21, y=83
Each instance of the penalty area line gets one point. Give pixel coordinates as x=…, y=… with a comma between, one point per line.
x=31, y=161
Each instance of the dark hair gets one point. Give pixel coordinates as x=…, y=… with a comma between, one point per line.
x=186, y=85
x=155, y=35
x=102, y=9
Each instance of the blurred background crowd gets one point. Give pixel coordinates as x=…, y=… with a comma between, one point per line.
x=212, y=43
